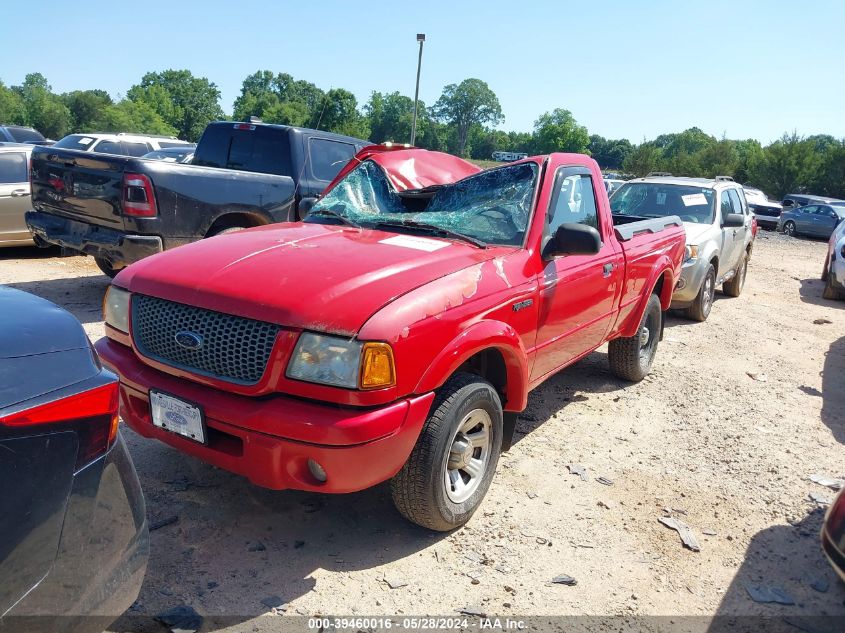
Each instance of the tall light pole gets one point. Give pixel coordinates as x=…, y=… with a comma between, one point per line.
x=421, y=40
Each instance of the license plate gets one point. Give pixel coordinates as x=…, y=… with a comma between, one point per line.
x=177, y=416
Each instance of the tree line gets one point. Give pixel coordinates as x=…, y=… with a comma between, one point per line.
x=462, y=121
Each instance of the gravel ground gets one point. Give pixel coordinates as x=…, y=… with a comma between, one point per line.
x=723, y=434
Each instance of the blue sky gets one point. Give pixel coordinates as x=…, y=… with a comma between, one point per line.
x=632, y=69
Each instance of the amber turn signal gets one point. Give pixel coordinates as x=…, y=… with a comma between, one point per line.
x=377, y=368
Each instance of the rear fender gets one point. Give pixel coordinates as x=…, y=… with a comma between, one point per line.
x=662, y=270
x=477, y=338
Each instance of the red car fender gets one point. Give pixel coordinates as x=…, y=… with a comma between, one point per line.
x=663, y=268
x=477, y=338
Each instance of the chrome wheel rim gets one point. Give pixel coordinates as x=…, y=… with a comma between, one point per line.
x=707, y=299
x=789, y=228
x=469, y=454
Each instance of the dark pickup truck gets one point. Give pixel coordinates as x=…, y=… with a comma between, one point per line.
x=120, y=209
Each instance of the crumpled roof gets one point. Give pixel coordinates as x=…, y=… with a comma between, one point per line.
x=411, y=168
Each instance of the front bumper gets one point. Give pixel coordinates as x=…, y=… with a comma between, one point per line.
x=768, y=221
x=102, y=555
x=357, y=448
x=689, y=283
x=115, y=246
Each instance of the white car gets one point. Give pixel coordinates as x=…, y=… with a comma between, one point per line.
x=834, y=266
x=766, y=211
x=121, y=144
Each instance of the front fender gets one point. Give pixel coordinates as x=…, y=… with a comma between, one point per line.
x=479, y=337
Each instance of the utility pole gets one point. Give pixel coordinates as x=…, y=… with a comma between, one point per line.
x=421, y=40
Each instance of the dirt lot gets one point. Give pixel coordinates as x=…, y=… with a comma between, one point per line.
x=728, y=453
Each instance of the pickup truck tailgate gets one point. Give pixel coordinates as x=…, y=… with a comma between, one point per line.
x=84, y=187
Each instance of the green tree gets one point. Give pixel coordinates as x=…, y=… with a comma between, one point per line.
x=690, y=141
x=184, y=102
x=135, y=117
x=12, y=109
x=609, y=153
x=558, y=131
x=830, y=175
x=338, y=112
x=86, y=108
x=645, y=158
x=44, y=110
x=789, y=164
x=467, y=103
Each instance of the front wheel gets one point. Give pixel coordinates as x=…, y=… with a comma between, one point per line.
x=631, y=358
x=106, y=266
x=830, y=291
x=734, y=287
x=453, y=462
x=700, y=308
x=789, y=229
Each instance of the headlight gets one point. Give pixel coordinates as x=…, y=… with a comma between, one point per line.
x=116, y=308
x=339, y=362
x=690, y=252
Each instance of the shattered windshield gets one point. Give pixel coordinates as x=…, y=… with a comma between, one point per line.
x=491, y=207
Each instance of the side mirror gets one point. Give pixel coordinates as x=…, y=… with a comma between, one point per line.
x=734, y=220
x=573, y=239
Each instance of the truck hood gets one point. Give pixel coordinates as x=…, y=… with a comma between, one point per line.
x=312, y=276
x=696, y=232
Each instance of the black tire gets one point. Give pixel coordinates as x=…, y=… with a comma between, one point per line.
x=106, y=267
x=223, y=231
x=734, y=287
x=789, y=228
x=700, y=308
x=631, y=358
x=830, y=292
x=419, y=490
x=826, y=269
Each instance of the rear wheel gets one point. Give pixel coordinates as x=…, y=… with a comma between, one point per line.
x=826, y=269
x=700, y=308
x=789, y=228
x=734, y=287
x=453, y=462
x=631, y=358
x=106, y=266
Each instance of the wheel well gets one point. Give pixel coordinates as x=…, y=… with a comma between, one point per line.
x=490, y=365
x=229, y=220
x=715, y=261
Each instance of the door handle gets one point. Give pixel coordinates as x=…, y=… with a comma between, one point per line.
x=20, y=193
x=608, y=268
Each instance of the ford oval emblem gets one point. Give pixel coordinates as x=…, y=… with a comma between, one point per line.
x=188, y=340
x=176, y=418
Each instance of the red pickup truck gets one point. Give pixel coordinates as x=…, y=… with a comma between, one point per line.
x=394, y=333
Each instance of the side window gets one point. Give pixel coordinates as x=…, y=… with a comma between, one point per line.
x=726, y=205
x=108, y=147
x=735, y=201
x=573, y=202
x=328, y=157
x=135, y=149
x=807, y=210
x=12, y=167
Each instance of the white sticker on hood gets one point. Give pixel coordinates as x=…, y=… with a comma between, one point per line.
x=417, y=243
x=694, y=199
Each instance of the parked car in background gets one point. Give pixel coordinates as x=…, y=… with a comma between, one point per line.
x=22, y=134
x=833, y=273
x=766, y=211
x=612, y=184
x=396, y=331
x=833, y=534
x=795, y=200
x=122, y=209
x=183, y=154
x=719, y=228
x=73, y=527
x=14, y=194
x=119, y=144
x=815, y=220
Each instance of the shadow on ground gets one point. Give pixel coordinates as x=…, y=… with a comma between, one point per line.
x=811, y=292
x=788, y=558
x=81, y=296
x=833, y=390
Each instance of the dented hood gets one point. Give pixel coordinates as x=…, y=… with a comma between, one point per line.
x=313, y=276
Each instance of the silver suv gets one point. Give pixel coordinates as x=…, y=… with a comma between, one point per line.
x=719, y=233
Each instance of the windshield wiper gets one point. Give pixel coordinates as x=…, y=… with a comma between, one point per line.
x=434, y=229
x=328, y=213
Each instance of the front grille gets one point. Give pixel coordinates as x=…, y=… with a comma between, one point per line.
x=232, y=348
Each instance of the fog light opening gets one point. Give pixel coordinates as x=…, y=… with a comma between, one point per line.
x=317, y=471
